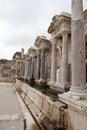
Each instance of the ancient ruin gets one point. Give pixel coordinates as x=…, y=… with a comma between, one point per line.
x=53, y=67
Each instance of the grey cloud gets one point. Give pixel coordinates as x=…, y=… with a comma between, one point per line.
x=23, y=20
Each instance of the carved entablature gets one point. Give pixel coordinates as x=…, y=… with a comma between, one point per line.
x=32, y=52
x=59, y=24
x=42, y=42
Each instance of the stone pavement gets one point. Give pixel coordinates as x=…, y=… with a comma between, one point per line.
x=11, y=117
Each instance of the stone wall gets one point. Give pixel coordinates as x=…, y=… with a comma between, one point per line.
x=41, y=105
x=77, y=112
x=6, y=71
x=47, y=65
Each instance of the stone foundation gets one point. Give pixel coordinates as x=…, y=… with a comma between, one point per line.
x=6, y=79
x=77, y=112
x=42, y=106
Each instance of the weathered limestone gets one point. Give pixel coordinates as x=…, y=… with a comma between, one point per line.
x=76, y=98
x=42, y=45
x=16, y=69
x=26, y=70
x=59, y=66
x=32, y=54
x=53, y=61
x=38, y=65
x=42, y=107
x=77, y=111
x=32, y=67
x=42, y=71
x=65, y=60
x=60, y=29
x=29, y=69
x=78, y=87
x=20, y=68
x=22, y=53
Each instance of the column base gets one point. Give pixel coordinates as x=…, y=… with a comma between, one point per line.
x=77, y=110
x=81, y=93
x=63, y=86
x=42, y=82
x=24, y=78
x=51, y=82
x=16, y=76
x=54, y=86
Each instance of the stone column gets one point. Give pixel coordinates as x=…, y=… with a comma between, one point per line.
x=53, y=61
x=23, y=69
x=20, y=69
x=42, y=71
x=64, y=62
x=78, y=87
x=22, y=53
x=38, y=66
x=32, y=67
x=16, y=69
x=26, y=69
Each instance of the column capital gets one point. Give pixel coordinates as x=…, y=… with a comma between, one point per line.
x=38, y=51
x=54, y=41
x=43, y=48
x=65, y=33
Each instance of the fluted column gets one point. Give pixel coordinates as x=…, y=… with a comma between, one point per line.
x=38, y=66
x=42, y=71
x=78, y=87
x=53, y=61
x=64, y=62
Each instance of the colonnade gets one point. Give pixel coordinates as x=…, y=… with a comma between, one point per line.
x=43, y=46
x=67, y=36
x=60, y=37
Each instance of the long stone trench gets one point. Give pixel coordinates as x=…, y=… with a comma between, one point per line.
x=13, y=112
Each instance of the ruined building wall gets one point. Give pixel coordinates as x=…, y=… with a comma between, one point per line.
x=47, y=65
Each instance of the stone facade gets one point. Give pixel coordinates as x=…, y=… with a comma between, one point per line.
x=76, y=98
x=49, y=61
x=59, y=69
x=43, y=46
x=6, y=70
x=59, y=62
x=42, y=107
x=60, y=30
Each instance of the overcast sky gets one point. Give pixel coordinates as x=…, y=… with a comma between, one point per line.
x=21, y=21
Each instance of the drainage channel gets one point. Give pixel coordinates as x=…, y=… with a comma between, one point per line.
x=48, y=124
x=30, y=122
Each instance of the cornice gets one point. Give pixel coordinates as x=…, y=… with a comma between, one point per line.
x=58, y=21
x=42, y=42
